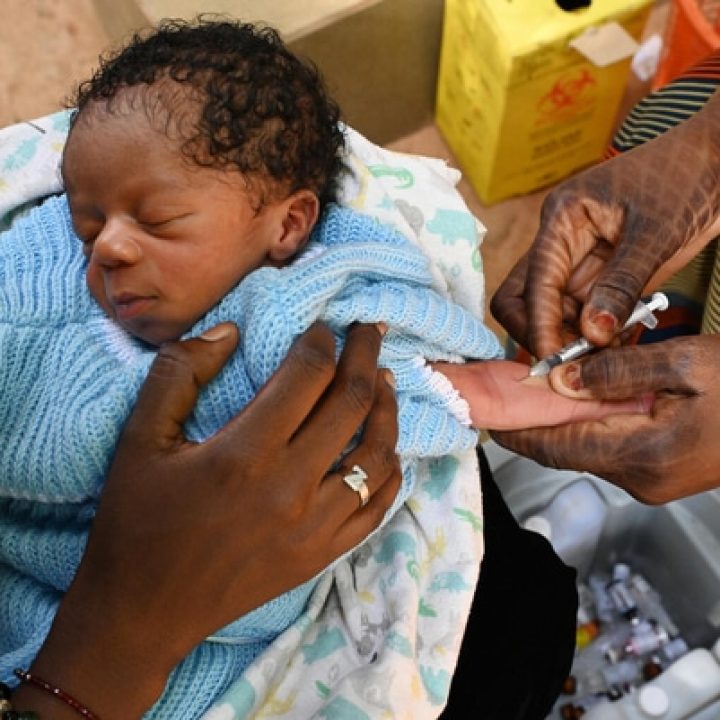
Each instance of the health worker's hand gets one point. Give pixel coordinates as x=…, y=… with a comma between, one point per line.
x=667, y=454
x=613, y=233
x=189, y=537
x=501, y=396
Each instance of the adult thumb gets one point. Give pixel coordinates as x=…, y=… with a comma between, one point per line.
x=616, y=291
x=171, y=389
x=618, y=373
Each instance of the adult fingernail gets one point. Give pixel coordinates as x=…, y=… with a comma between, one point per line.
x=604, y=321
x=645, y=403
x=389, y=379
x=219, y=332
x=572, y=377
x=382, y=328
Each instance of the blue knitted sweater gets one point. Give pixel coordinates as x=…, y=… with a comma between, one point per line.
x=69, y=377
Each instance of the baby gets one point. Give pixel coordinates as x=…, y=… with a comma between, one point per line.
x=200, y=173
x=271, y=164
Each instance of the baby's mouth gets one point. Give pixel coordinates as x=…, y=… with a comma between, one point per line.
x=128, y=306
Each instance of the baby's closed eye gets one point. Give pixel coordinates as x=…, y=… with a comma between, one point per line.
x=160, y=222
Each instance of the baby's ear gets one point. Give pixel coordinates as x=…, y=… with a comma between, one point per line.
x=300, y=213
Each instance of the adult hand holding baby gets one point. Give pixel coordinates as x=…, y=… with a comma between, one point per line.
x=188, y=537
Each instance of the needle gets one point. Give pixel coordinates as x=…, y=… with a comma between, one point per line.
x=643, y=313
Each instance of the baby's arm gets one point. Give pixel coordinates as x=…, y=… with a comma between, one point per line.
x=501, y=396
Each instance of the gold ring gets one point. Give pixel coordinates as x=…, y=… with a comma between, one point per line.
x=355, y=480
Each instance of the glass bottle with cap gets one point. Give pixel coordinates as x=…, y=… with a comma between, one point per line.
x=686, y=686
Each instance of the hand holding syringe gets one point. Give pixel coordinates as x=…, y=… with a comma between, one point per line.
x=643, y=313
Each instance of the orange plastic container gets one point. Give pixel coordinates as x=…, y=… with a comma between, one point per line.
x=693, y=32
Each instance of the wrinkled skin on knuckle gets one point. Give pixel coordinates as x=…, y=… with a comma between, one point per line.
x=172, y=364
x=558, y=200
x=608, y=375
x=621, y=288
x=604, y=373
x=669, y=367
x=578, y=203
x=360, y=391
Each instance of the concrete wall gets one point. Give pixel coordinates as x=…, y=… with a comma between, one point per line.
x=381, y=64
x=379, y=57
x=292, y=18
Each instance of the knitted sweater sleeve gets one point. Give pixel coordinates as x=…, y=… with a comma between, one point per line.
x=362, y=271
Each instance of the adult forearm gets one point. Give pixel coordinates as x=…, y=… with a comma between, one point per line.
x=105, y=664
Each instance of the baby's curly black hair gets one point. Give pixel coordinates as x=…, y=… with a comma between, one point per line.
x=262, y=110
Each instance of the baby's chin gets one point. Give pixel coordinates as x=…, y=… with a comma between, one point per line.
x=154, y=334
x=142, y=323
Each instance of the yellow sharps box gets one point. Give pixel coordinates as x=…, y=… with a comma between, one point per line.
x=528, y=92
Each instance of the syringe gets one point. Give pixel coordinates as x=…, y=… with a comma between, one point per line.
x=643, y=313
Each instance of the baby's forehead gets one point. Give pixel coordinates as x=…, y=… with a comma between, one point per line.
x=164, y=106
x=120, y=136
x=105, y=135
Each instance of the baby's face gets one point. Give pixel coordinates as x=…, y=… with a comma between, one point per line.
x=164, y=240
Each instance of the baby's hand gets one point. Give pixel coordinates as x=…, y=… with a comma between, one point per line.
x=502, y=396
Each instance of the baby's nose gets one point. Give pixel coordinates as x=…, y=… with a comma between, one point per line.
x=115, y=245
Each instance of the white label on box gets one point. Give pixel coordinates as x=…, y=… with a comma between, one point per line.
x=605, y=44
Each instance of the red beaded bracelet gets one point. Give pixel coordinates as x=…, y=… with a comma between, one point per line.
x=56, y=692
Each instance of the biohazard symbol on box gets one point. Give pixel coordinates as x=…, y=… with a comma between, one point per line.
x=571, y=93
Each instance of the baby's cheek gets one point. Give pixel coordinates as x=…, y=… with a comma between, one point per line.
x=96, y=286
